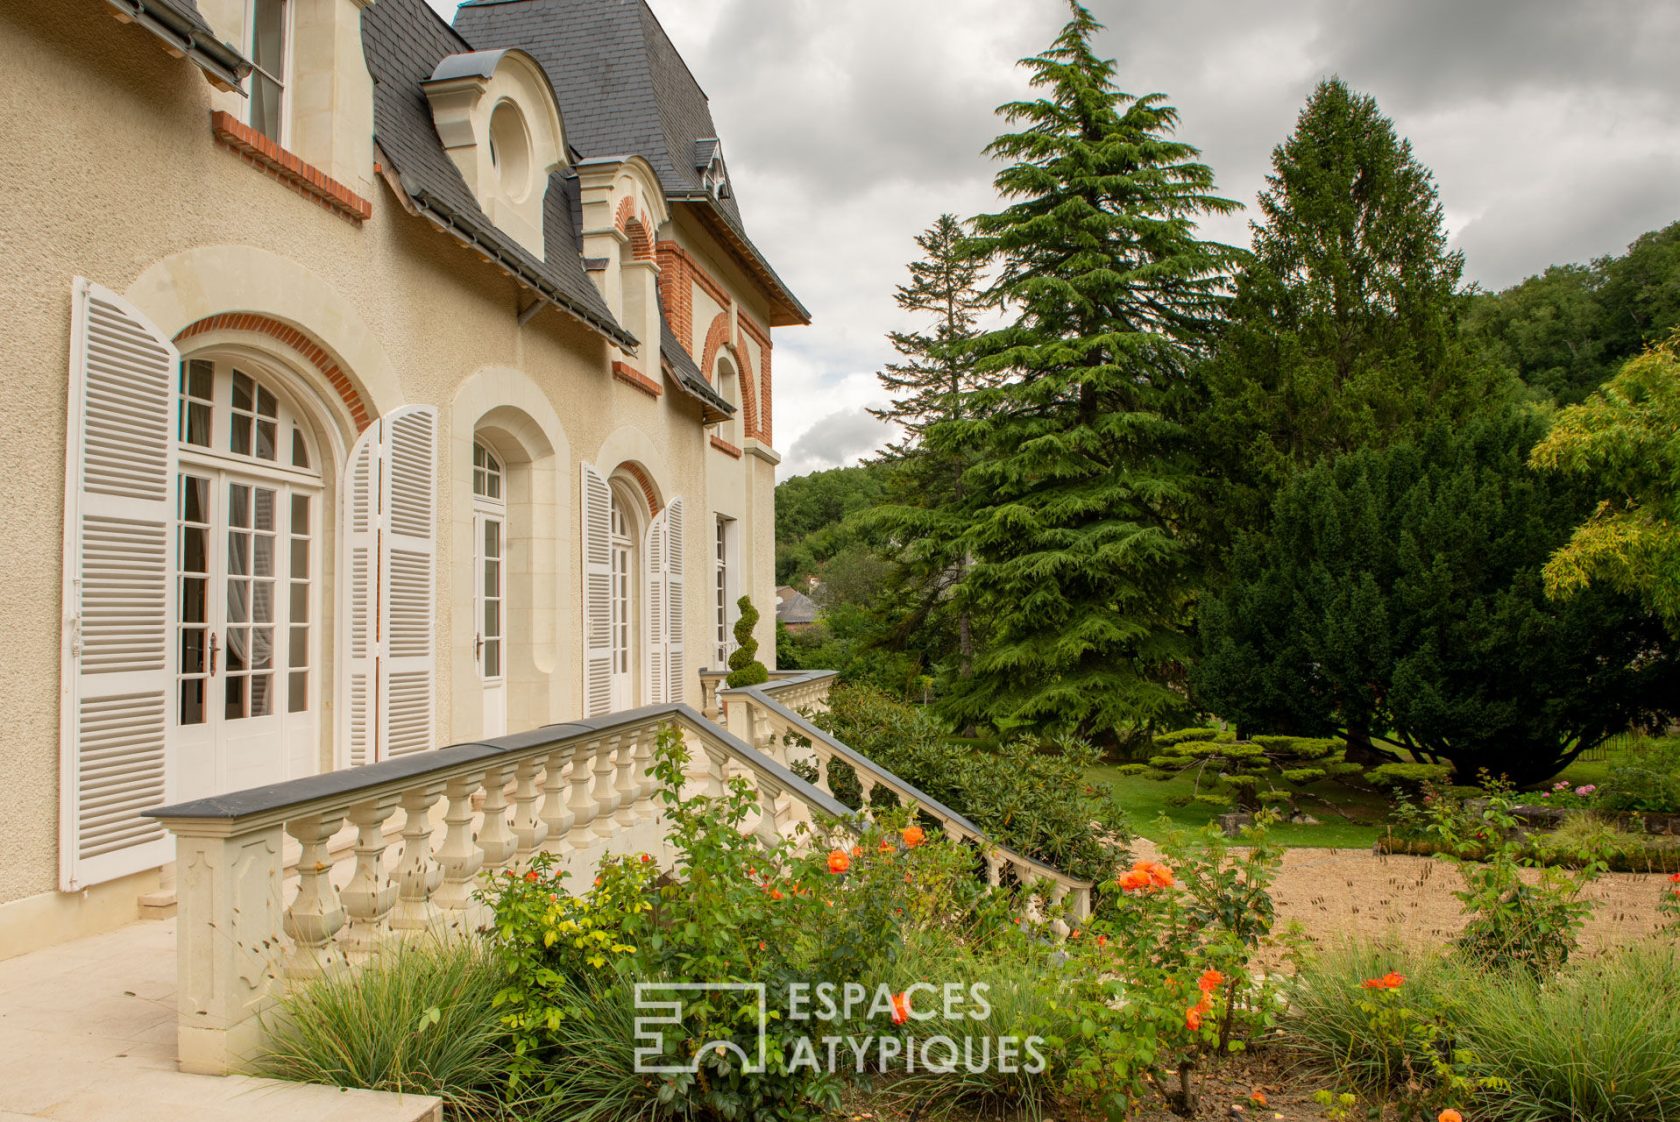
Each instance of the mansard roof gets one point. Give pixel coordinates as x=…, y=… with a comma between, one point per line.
x=624, y=90
x=404, y=41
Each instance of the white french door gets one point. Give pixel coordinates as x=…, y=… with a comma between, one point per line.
x=623, y=573
x=490, y=645
x=247, y=559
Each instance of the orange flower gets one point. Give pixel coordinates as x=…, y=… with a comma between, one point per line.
x=597, y=882
x=1204, y=1003
x=913, y=836
x=646, y=858
x=1449, y=1115
x=1159, y=875
x=531, y=876
x=838, y=862
x=1075, y=934
x=1193, y=1019
x=887, y=845
x=900, y=1008
x=857, y=851
x=1102, y=940
x=1258, y=1098
x=775, y=894
x=1134, y=880
x=1389, y=981
x=1210, y=981
x=1675, y=877
x=761, y=944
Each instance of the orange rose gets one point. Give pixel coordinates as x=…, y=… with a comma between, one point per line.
x=857, y=851
x=887, y=845
x=1159, y=875
x=913, y=836
x=531, y=876
x=1449, y=1115
x=1258, y=1098
x=1210, y=981
x=1193, y=1019
x=900, y=1008
x=775, y=894
x=1134, y=880
x=1102, y=940
x=1389, y=981
x=838, y=862
x=1675, y=877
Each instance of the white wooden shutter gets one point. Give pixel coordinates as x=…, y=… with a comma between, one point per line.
x=389, y=677
x=358, y=693
x=653, y=564
x=408, y=670
x=118, y=655
x=597, y=593
x=675, y=606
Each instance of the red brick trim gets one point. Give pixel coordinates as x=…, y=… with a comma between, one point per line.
x=718, y=336
x=306, y=179
x=676, y=293
x=630, y=376
x=293, y=338
x=635, y=224
x=635, y=471
x=762, y=337
x=699, y=273
x=725, y=447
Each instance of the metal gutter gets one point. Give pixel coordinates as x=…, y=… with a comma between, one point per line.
x=223, y=66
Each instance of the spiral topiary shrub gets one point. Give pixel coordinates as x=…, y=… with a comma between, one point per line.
x=744, y=667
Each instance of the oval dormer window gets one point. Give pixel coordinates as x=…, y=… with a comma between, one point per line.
x=510, y=151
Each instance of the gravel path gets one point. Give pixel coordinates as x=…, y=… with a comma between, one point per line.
x=1341, y=893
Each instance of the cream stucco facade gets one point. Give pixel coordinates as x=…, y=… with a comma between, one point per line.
x=113, y=173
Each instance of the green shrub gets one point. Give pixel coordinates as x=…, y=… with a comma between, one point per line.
x=1647, y=780
x=420, y=1020
x=1409, y=778
x=744, y=667
x=1027, y=795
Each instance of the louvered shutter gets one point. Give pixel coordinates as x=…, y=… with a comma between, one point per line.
x=408, y=593
x=388, y=681
x=597, y=593
x=359, y=620
x=119, y=595
x=675, y=662
x=653, y=554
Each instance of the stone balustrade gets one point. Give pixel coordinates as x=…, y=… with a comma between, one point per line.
x=772, y=718
x=580, y=791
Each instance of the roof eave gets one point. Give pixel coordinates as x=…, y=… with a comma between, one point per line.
x=223, y=67
x=442, y=215
x=785, y=308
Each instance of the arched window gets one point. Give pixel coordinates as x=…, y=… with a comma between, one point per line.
x=248, y=570
x=490, y=584
x=626, y=582
x=729, y=387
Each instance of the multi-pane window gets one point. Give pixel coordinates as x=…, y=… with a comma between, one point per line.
x=621, y=553
x=490, y=512
x=487, y=473
x=722, y=581
x=268, y=67
x=193, y=608
x=302, y=565
x=250, y=585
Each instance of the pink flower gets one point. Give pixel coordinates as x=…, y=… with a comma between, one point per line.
x=1585, y=790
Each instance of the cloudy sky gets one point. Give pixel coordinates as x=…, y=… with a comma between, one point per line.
x=1553, y=128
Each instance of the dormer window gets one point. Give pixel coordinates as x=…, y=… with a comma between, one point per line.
x=708, y=161
x=269, y=21
x=496, y=115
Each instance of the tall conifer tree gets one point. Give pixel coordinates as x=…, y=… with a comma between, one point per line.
x=1079, y=499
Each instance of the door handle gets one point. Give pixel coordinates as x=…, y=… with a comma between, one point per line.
x=478, y=645
x=215, y=645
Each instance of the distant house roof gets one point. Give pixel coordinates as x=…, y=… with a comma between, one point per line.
x=404, y=41
x=794, y=607
x=179, y=24
x=623, y=88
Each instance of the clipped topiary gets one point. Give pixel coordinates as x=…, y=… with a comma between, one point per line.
x=744, y=667
x=1248, y=772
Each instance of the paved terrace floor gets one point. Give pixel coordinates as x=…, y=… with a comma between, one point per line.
x=87, y=1034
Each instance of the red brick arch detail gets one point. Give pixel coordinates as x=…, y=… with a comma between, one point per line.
x=635, y=225
x=718, y=338
x=295, y=339
x=639, y=474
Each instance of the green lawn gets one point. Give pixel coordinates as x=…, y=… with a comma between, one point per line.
x=1347, y=818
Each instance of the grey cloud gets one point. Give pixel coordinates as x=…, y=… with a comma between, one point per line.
x=834, y=441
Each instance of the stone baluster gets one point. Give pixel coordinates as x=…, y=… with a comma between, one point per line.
x=866, y=788
x=626, y=791
x=316, y=913
x=459, y=855
x=994, y=869
x=647, y=784
x=717, y=769
x=1058, y=893
x=418, y=875
x=1081, y=910
x=769, y=819
x=582, y=804
x=824, y=760
x=369, y=896
x=556, y=815
x=528, y=825
x=495, y=837
x=606, y=791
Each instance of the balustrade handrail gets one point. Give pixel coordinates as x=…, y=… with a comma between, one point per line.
x=906, y=791
x=331, y=790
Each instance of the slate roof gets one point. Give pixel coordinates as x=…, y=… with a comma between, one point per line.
x=179, y=24
x=404, y=41
x=713, y=405
x=624, y=90
x=794, y=607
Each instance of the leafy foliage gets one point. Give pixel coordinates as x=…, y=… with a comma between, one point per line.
x=1625, y=442
x=1035, y=802
x=810, y=510
x=1258, y=771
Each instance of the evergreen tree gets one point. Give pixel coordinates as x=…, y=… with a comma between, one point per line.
x=1078, y=500
x=1344, y=330
x=1398, y=599
x=922, y=525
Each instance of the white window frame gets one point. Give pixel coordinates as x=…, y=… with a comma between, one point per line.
x=726, y=583
x=284, y=78
x=489, y=509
